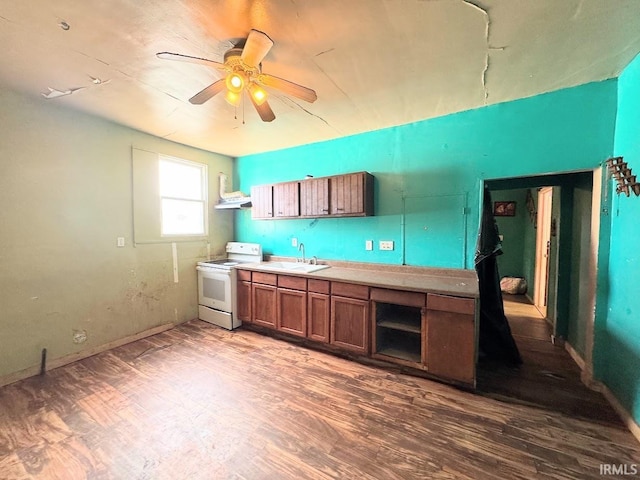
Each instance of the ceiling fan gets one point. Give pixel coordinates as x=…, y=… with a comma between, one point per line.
x=243, y=68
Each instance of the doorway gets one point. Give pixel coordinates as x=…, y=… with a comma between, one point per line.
x=543, y=251
x=558, y=233
x=560, y=251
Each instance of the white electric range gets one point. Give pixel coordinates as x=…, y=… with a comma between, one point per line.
x=217, y=300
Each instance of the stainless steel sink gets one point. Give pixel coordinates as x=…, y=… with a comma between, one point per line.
x=292, y=267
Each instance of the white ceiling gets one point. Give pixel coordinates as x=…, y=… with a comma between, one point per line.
x=373, y=63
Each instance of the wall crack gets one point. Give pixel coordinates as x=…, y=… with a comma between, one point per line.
x=483, y=79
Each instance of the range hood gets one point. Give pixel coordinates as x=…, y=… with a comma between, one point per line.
x=232, y=199
x=244, y=202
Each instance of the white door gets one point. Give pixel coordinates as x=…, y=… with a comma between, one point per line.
x=543, y=246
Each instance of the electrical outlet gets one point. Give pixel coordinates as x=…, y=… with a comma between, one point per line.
x=386, y=244
x=120, y=242
x=368, y=245
x=294, y=242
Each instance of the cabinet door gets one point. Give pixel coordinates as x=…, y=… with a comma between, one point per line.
x=262, y=201
x=292, y=311
x=351, y=194
x=350, y=324
x=286, y=199
x=451, y=339
x=264, y=305
x=314, y=197
x=318, y=316
x=244, y=301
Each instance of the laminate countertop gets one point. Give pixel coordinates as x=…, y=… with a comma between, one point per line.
x=463, y=283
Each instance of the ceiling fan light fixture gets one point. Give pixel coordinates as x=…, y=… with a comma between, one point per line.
x=233, y=98
x=258, y=93
x=235, y=82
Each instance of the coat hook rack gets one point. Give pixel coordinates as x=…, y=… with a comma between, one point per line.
x=620, y=170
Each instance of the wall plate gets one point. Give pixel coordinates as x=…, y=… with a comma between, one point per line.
x=386, y=244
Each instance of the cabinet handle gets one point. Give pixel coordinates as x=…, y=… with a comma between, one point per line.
x=325, y=209
x=340, y=209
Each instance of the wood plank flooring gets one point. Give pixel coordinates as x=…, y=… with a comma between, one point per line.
x=548, y=377
x=199, y=402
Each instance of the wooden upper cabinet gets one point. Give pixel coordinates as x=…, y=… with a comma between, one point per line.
x=314, y=197
x=262, y=201
x=351, y=195
x=286, y=199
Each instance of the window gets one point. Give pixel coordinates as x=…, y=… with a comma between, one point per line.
x=169, y=198
x=183, y=197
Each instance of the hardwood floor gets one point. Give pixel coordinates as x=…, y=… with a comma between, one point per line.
x=199, y=402
x=548, y=377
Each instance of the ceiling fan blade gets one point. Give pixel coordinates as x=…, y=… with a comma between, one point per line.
x=290, y=88
x=208, y=92
x=264, y=110
x=186, y=58
x=256, y=48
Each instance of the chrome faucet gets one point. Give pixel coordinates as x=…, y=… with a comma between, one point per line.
x=301, y=249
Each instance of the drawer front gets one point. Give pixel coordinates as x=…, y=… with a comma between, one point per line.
x=445, y=303
x=265, y=278
x=318, y=286
x=350, y=290
x=294, y=283
x=244, y=275
x=398, y=297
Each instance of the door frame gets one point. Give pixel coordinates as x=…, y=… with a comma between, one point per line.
x=543, y=250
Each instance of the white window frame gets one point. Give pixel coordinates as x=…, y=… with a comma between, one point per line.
x=204, y=201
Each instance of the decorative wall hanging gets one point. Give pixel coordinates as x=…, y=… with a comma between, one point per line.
x=622, y=173
x=504, y=209
x=531, y=208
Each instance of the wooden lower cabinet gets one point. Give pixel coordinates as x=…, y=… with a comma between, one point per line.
x=318, y=309
x=264, y=306
x=451, y=337
x=398, y=324
x=292, y=311
x=387, y=324
x=243, y=293
x=350, y=324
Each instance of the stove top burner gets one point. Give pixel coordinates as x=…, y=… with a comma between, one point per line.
x=225, y=263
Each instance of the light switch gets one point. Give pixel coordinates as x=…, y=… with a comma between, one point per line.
x=368, y=245
x=294, y=242
x=120, y=242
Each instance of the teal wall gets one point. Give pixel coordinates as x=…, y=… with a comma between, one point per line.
x=529, y=248
x=579, y=304
x=439, y=164
x=510, y=263
x=617, y=343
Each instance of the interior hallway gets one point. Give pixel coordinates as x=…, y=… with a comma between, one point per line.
x=548, y=378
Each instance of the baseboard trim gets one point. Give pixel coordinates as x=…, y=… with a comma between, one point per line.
x=575, y=355
x=74, y=357
x=626, y=417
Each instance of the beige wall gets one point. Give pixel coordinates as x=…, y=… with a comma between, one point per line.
x=65, y=196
